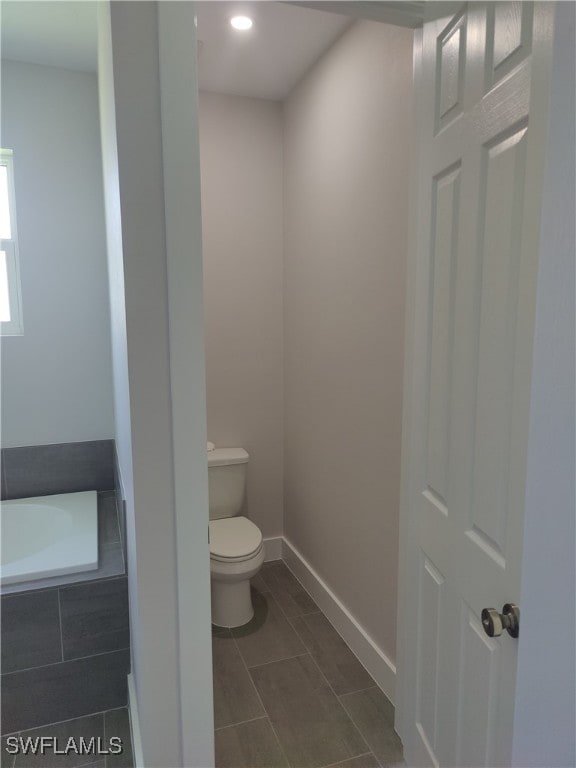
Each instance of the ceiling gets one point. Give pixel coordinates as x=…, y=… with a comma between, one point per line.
x=59, y=34
x=265, y=62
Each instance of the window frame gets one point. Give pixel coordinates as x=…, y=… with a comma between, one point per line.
x=14, y=326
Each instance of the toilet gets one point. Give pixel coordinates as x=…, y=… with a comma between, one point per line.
x=236, y=547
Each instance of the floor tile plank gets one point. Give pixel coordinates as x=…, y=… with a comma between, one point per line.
x=364, y=761
x=337, y=662
x=313, y=728
x=373, y=715
x=117, y=723
x=258, y=583
x=87, y=727
x=249, y=745
x=59, y=692
x=289, y=593
x=6, y=758
x=235, y=697
x=269, y=636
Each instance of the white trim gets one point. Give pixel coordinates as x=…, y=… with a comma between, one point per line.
x=403, y=691
x=15, y=326
x=135, y=724
x=273, y=548
x=546, y=661
x=373, y=658
x=181, y=164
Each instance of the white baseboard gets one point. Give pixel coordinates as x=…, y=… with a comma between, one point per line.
x=273, y=548
x=135, y=724
x=368, y=653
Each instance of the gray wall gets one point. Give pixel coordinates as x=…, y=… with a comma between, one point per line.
x=241, y=159
x=346, y=142
x=56, y=378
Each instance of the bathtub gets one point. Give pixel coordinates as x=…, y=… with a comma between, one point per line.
x=48, y=536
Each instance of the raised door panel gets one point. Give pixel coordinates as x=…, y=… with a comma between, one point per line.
x=509, y=36
x=477, y=696
x=450, y=66
x=445, y=202
x=500, y=213
x=430, y=626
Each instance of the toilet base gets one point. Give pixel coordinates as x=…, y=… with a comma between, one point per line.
x=231, y=603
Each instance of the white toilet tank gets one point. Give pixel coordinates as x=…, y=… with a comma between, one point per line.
x=226, y=481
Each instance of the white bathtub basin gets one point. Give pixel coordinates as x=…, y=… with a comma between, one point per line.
x=48, y=536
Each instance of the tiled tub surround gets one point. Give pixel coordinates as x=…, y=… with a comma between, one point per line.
x=289, y=692
x=65, y=641
x=43, y=470
x=65, y=653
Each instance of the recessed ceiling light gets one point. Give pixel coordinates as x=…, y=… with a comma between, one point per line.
x=241, y=23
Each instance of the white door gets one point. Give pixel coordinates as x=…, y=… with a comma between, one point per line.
x=482, y=83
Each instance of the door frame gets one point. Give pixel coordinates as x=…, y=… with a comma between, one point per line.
x=547, y=648
x=187, y=365
x=149, y=122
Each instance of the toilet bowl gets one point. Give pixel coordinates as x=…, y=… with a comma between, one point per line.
x=236, y=555
x=236, y=546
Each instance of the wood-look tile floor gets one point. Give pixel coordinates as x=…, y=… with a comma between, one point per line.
x=289, y=693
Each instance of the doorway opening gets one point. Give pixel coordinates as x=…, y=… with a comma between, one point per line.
x=305, y=146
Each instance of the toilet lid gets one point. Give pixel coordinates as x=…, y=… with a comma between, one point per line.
x=234, y=537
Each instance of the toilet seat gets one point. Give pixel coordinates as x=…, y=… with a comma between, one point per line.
x=234, y=539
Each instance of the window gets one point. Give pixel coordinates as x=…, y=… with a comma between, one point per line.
x=10, y=297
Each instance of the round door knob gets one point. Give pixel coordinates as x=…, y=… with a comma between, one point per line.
x=494, y=622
